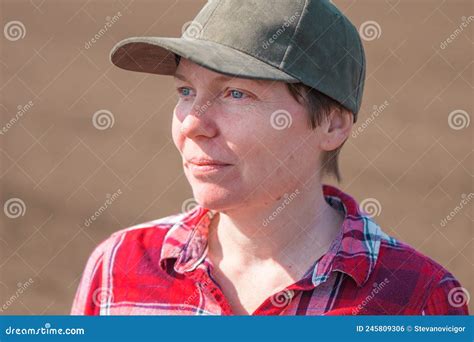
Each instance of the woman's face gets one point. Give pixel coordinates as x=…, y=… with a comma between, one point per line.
x=243, y=142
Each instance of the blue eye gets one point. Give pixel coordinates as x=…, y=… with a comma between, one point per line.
x=184, y=91
x=236, y=94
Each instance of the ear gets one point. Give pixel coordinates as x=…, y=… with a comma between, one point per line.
x=336, y=128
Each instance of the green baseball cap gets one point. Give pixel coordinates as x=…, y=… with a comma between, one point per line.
x=307, y=41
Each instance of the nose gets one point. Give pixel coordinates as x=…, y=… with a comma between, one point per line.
x=198, y=122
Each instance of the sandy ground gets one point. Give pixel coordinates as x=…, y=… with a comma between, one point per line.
x=414, y=161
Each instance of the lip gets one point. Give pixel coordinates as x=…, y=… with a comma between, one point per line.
x=205, y=165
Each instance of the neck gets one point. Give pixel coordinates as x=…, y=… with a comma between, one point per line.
x=287, y=230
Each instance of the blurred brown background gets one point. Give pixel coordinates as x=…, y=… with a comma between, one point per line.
x=411, y=156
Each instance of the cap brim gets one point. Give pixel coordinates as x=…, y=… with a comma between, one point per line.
x=156, y=55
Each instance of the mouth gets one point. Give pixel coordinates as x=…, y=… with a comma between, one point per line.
x=204, y=165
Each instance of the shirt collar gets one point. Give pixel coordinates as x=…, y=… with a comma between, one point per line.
x=353, y=252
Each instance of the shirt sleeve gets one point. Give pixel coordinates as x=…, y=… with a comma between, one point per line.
x=90, y=290
x=447, y=298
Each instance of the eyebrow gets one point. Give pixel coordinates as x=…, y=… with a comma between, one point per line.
x=222, y=78
x=180, y=77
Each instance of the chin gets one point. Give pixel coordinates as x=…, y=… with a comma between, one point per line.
x=215, y=197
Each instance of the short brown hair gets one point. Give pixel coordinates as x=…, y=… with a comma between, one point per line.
x=319, y=107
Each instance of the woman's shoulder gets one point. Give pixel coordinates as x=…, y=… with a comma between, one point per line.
x=424, y=282
x=126, y=255
x=146, y=237
x=400, y=256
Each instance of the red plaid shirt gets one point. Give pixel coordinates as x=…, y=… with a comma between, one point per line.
x=161, y=268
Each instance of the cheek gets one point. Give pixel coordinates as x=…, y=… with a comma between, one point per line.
x=291, y=147
x=262, y=150
x=178, y=138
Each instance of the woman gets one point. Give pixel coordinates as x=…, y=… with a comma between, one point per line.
x=268, y=94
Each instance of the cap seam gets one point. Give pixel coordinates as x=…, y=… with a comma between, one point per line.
x=219, y=3
x=293, y=35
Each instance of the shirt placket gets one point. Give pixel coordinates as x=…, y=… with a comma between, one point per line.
x=279, y=301
x=201, y=276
